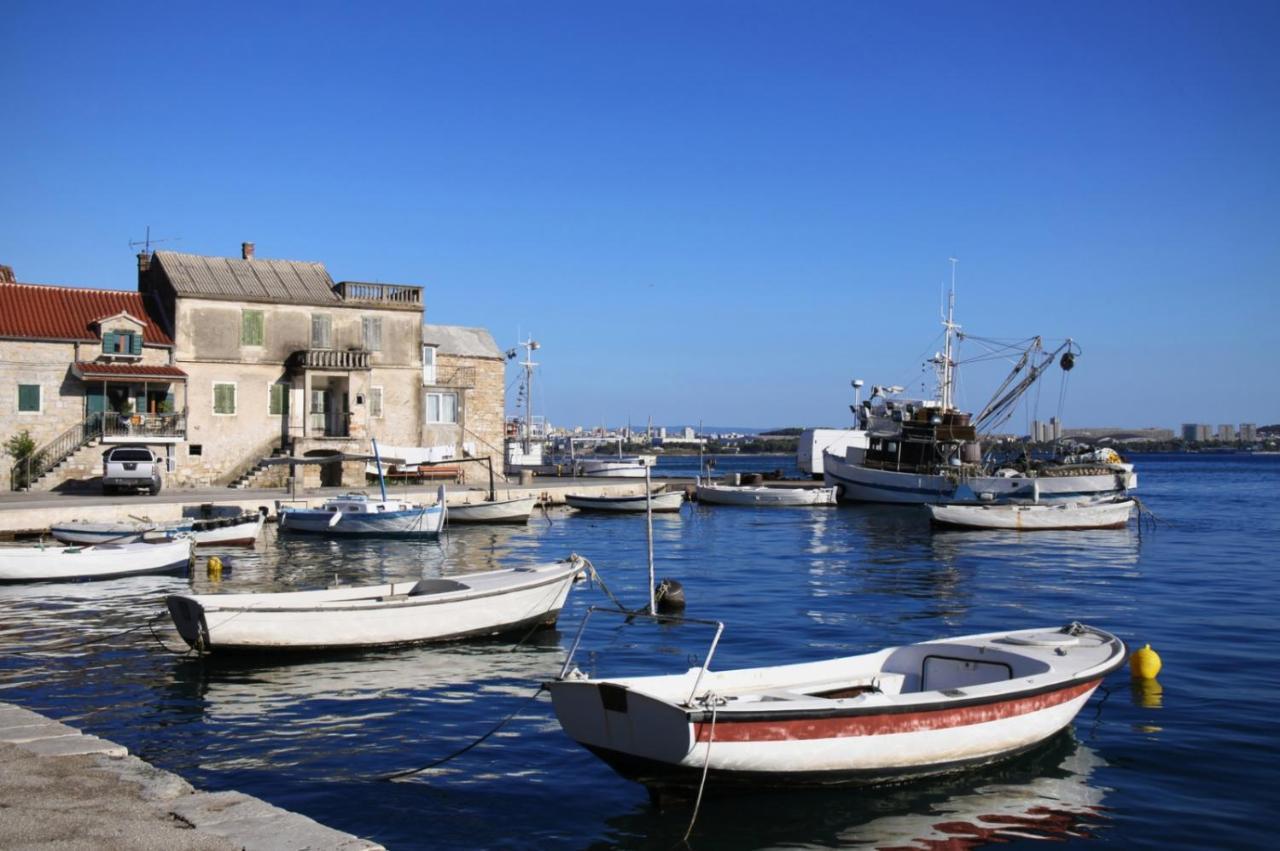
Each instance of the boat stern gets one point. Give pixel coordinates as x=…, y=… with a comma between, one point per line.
x=620, y=725
x=188, y=618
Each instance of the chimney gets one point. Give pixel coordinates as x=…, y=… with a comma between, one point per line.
x=6, y=275
x=144, y=262
x=246, y=251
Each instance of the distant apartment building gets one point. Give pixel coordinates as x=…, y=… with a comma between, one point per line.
x=1046, y=432
x=1198, y=432
x=1248, y=432
x=1226, y=433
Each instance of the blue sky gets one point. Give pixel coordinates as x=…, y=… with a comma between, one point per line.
x=717, y=211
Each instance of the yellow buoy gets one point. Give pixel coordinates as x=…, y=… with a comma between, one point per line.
x=1144, y=664
x=214, y=568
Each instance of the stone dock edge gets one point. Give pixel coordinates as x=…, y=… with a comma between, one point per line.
x=61, y=787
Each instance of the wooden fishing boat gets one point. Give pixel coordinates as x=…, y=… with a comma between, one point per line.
x=355, y=514
x=1033, y=517
x=762, y=496
x=242, y=530
x=899, y=713
x=95, y=561
x=408, y=612
x=666, y=501
x=513, y=510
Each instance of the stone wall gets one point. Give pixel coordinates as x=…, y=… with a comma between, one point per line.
x=480, y=411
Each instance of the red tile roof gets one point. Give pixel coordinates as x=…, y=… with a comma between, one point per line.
x=89, y=369
x=37, y=311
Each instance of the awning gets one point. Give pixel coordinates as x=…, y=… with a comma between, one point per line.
x=127, y=371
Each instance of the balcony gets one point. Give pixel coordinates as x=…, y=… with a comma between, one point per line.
x=330, y=359
x=398, y=296
x=141, y=428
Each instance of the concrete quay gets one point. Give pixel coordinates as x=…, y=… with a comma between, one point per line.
x=29, y=514
x=60, y=788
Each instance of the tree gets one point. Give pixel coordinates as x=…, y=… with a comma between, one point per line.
x=22, y=448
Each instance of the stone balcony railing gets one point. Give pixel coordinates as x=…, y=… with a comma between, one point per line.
x=331, y=359
x=390, y=295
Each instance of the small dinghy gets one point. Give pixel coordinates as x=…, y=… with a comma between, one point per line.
x=242, y=531
x=408, y=612
x=666, y=501
x=355, y=514
x=217, y=531
x=762, y=496
x=899, y=713
x=516, y=510
x=95, y=561
x=1033, y=517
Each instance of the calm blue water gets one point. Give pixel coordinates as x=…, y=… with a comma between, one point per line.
x=1188, y=763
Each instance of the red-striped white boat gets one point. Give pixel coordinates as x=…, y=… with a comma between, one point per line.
x=896, y=714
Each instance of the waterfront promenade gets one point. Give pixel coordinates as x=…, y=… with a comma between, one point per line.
x=60, y=788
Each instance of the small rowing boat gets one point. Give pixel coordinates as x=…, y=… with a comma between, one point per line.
x=666, y=501
x=408, y=612
x=515, y=510
x=895, y=714
x=1034, y=517
x=242, y=530
x=95, y=561
x=765, y=497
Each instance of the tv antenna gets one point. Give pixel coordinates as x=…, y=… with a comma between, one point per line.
x=146, y=243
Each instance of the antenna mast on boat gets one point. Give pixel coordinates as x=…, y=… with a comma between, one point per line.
x=530, y=345
x=944, y=362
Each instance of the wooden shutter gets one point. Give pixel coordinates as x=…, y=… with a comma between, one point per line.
x=28, y=397
x=109, y=342
x=135, y=344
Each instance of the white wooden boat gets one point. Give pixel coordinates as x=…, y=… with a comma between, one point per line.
x=513, y=510
x=355, y=514
x=895, y=714
x=88, y=532
x=666, y=501
x=762, y=496
x=94, y=561
x=242, y=530
x=1028, y=518
x=408, y=612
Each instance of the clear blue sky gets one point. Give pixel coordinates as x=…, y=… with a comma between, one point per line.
x=717, y=211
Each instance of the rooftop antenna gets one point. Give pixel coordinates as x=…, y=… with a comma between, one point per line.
x=147, y=242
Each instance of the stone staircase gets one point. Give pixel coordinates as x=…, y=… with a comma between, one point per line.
x=84, y=463
x=263, y=475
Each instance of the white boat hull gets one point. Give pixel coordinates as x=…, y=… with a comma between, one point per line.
x=101, y=561
x=419, y=522
x=115, y=533
x=735, y=495
x=863, y=484
x=409, y=612
x=815, y=723
x=500, y=511
x=1027, y=518
x=662, y=502
x=630, y=467
x=244, y=533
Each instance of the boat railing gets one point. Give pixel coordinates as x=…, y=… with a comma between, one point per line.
x=658, y=618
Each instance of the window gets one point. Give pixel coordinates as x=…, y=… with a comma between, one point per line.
x=195, y=449
x=428, y=364
x=29, y=398
x=224, y=398
x=442, y=407
x=121, y=343
x=251, y=328
x=372, y=333
x=375, y=402
x=278, y=402
x=321, y=331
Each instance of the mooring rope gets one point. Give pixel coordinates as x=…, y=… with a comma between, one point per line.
x=411, y=771
x=715, y=703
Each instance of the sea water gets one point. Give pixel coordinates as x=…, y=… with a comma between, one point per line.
x=1187, y=761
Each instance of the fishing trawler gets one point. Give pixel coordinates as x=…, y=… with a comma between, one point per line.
x=927, y=451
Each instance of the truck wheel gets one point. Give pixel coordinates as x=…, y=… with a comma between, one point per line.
x=155, y=489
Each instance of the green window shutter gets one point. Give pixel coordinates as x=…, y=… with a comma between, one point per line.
x=277, y=399
x=109, y=342
x=251, y=327
x=29, y=397
x=135, y=344
x=224, y=398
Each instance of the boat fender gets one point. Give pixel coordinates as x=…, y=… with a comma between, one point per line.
x=668, y=596
x=1144, y=664
x=214, y=568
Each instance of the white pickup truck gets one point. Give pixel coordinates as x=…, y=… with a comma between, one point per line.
x=130, y=468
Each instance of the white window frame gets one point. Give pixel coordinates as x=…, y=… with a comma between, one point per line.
x=376, y=390
x=235, y=399
x=439, y=396
x=17, y=399
x=429, y=369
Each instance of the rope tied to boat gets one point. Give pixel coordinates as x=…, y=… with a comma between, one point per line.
x=712, y=701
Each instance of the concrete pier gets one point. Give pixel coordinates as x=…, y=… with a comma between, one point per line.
x=60, y=788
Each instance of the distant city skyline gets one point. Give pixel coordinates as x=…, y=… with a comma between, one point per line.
x=702, y=211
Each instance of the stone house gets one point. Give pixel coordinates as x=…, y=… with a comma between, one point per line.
x=261, y=357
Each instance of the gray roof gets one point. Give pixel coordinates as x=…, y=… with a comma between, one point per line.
x=291, y=281
x=461, y=342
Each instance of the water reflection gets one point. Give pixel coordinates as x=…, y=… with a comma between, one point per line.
x=1048, y=794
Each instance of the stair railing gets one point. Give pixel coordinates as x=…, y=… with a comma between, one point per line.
x=28, y=470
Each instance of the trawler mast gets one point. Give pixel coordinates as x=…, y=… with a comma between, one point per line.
x=944, y=362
